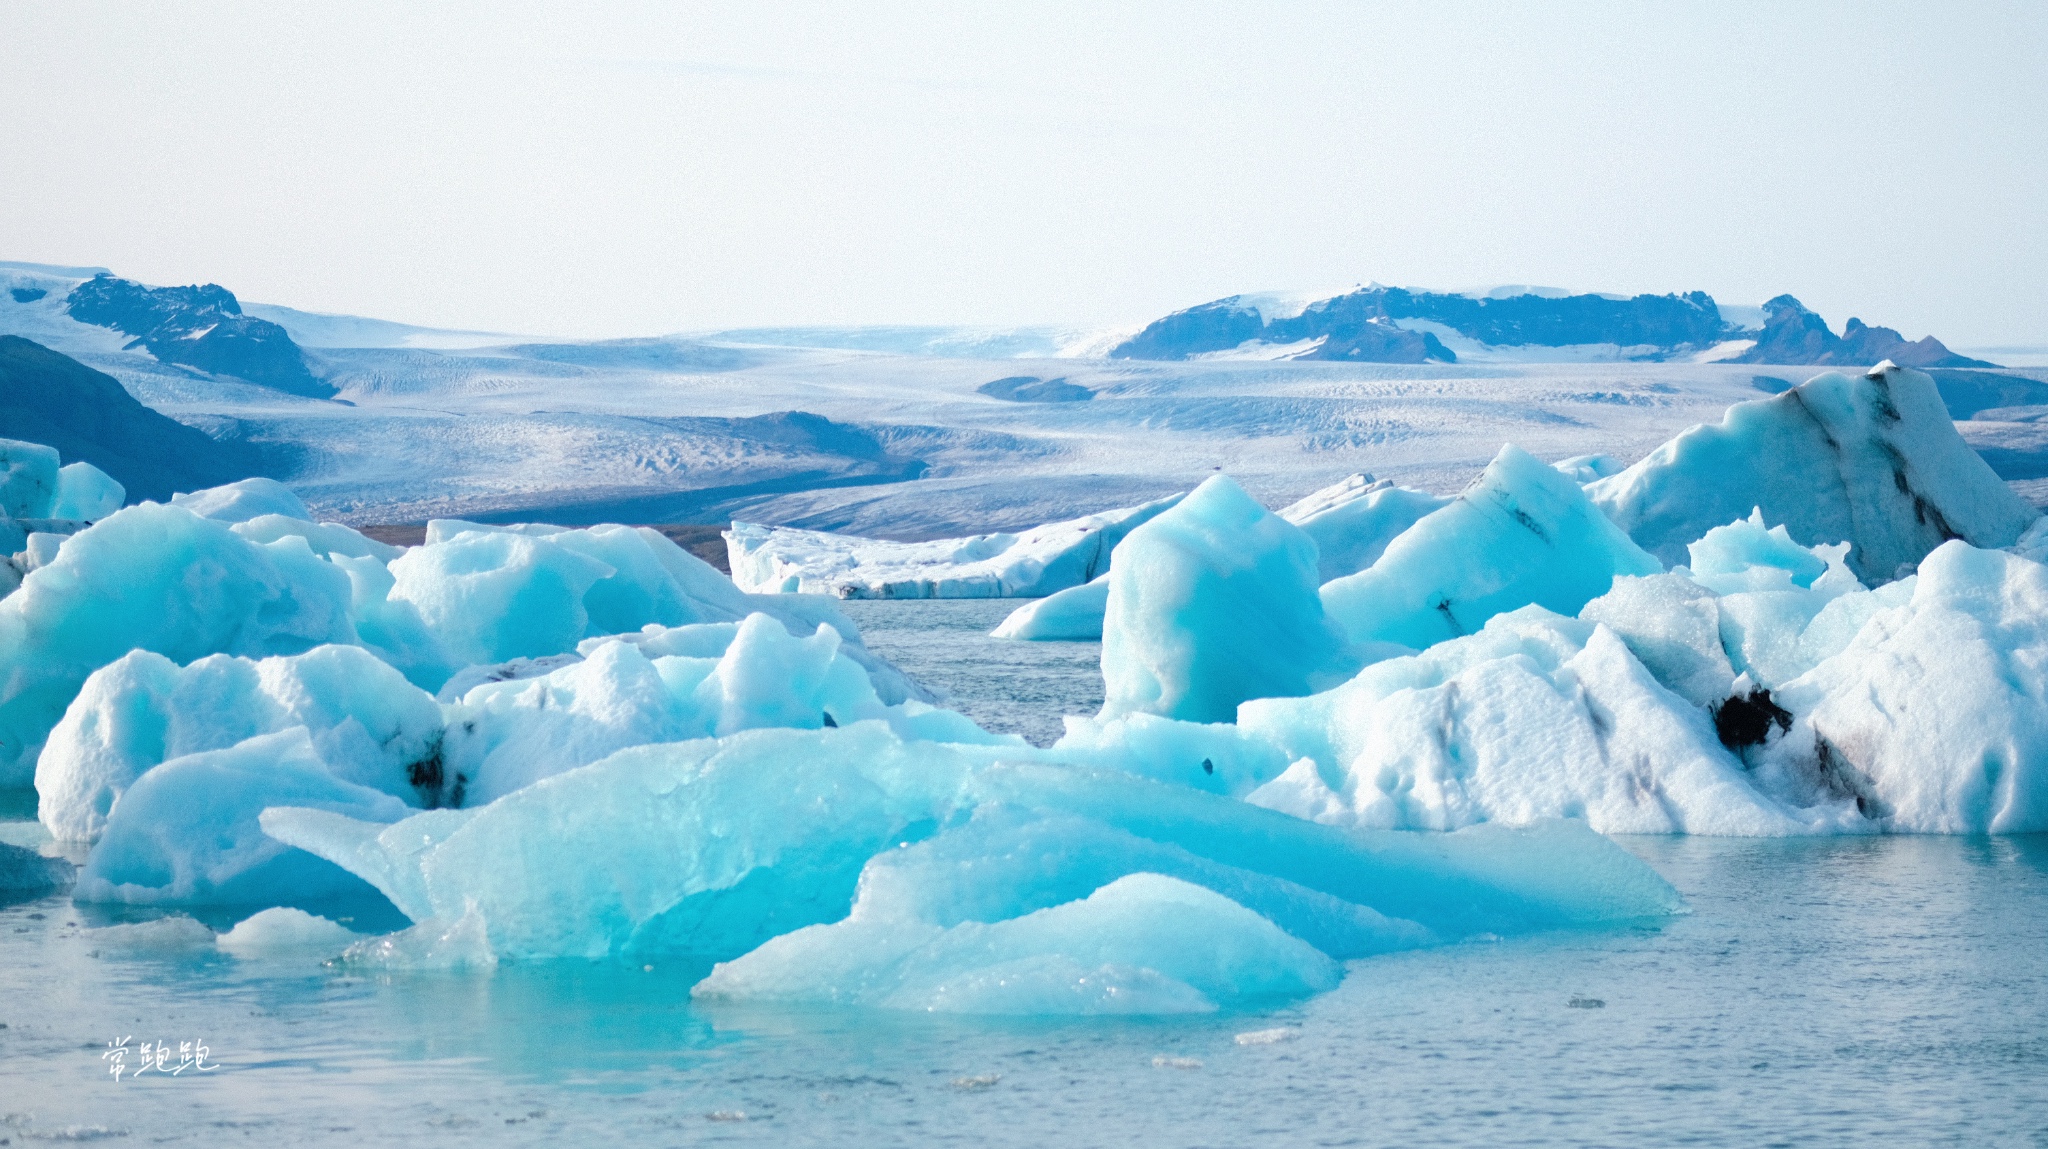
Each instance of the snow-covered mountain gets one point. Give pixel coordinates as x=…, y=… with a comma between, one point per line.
x=1376, y=324
x=902, y=432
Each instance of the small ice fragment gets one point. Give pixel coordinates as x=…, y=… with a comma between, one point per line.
x=1269, y=1036
x=1585, y=1003
x=164, y=935
x=979, y=1081
x=282, y=931
x=1165, y=1062
x=726, y=1115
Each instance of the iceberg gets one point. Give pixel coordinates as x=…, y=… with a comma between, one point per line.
x=244, y=500
x=714, y=847
x=157, y=578
x=1071, y=615
x=1536, y=716
x=720, y=678
x=1211, y=603
x=368, y=725
x=281, y=932
x=187, y=832
x=28, y=479
x=86, y=494
x=1352, y=521
x=1027, y=564
x=1872, y=461
x=1521, y=534
x=1144, y=943
x=1933, y=716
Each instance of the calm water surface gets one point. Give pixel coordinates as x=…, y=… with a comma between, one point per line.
x=1820, y=993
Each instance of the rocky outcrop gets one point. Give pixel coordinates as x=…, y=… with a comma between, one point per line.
x=1396, y=325
x=199, y=326
x=1794, y=335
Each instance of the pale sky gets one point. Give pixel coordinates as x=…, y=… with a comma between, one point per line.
x=638, y=168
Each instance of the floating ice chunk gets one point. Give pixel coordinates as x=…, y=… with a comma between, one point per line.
x=1934, y=718
x=285, y=932
x=177, y=933
x=1028, y=564
x=86, y=493
x=157, y=578
x=1352, y=522
x=1008, y=860
x=1212, y=603
x=434, y=944
x=1074, y=615
x=714, y=846
x=1873, y=461
x=325, y=539
x=503, y=736
x=489, y=595
x=1534, y=717
x=368, y=725
x=187, y=833
x=1521, y=534
x=1144, y=943
x=707, y=847
x=241, y=501
x=28, y=479
x=23, y=871
x=493, y=596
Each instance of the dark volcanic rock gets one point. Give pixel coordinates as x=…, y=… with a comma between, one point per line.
x=1363, y=326
x=55, y=400
x=1030, y=389
x=1360, y=326
x=1794, y=335
x=200, y=327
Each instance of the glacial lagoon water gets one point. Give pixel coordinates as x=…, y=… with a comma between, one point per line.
x=1881, y=990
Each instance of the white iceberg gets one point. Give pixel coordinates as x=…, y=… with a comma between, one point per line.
x=244, y=500
x=1212, y=603
x=1072, y=615
x=1933, y=717
x=368, y=725
x=1352, y=521
x=1872, y=461
x=1536, y=716
x=1026, y=564
x=1521, y=534
x=281, y=932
